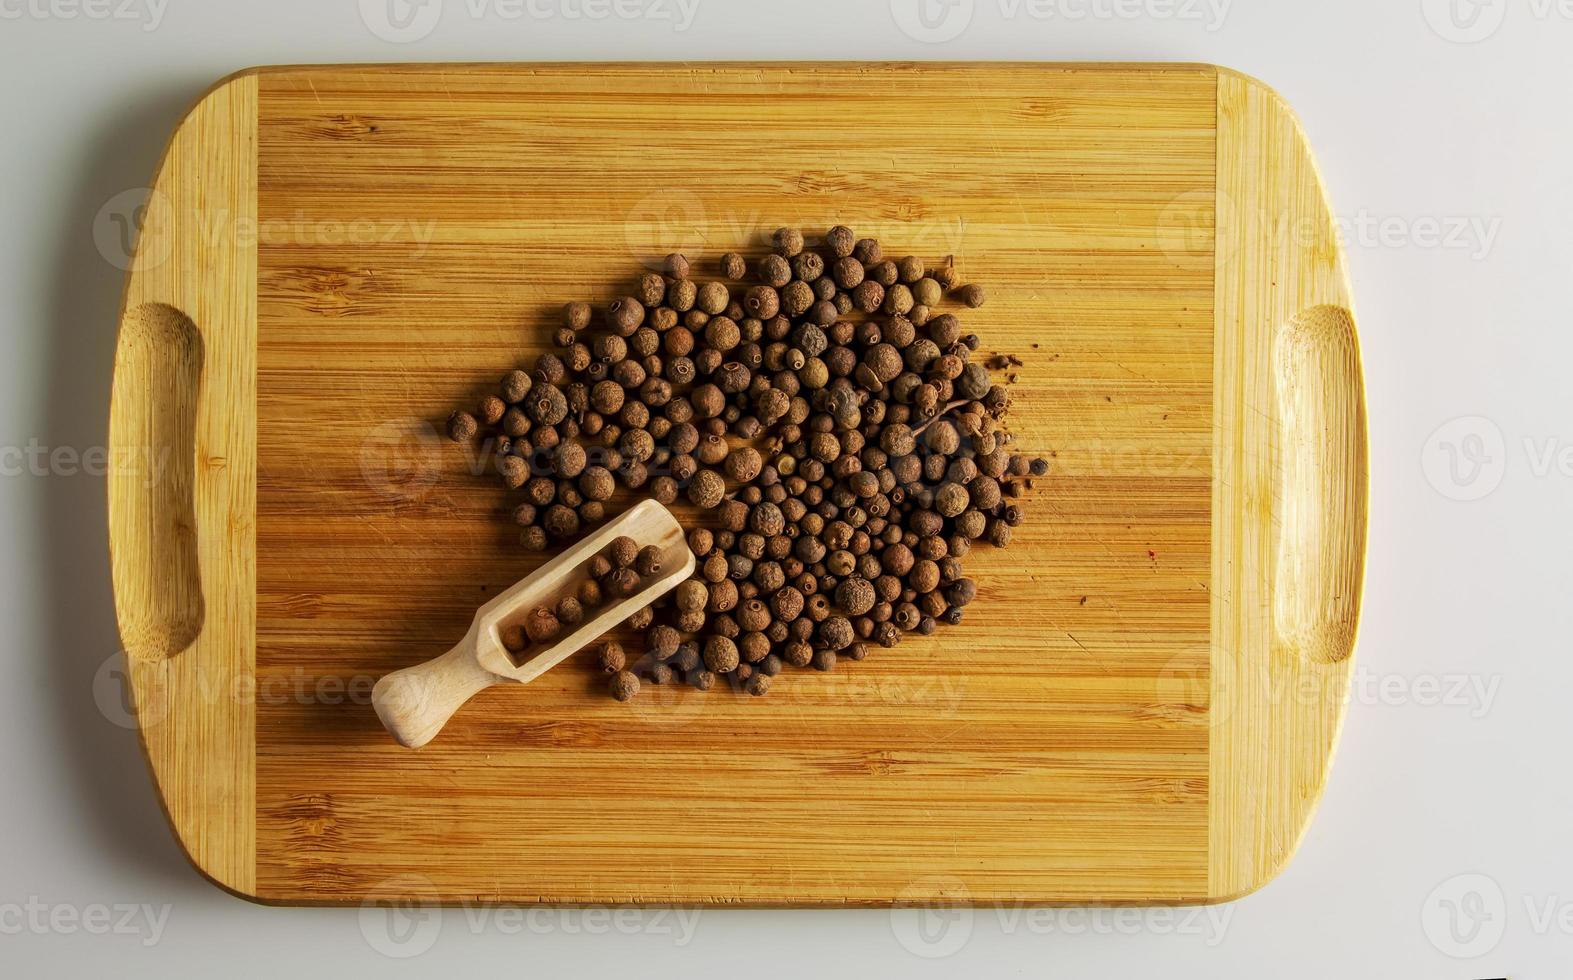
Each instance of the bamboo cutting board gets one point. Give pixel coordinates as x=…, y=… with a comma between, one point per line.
x=1140, y=707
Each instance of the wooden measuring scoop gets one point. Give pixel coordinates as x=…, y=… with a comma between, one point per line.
x=414, y=703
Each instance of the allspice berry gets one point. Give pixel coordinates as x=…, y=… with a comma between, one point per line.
x=622, y=552
x=533, y=539
x=855, y=595
x=707, y=489
x=758, y=684
x=492, y=409
x=951, y=499
x=836, y=632
x=569, y=611
x=576, y=316
x=513, y=638
x=625, y=315
x=775, y=271
x=720, y=654
x=733, y=266
x=625, y=685
x=541, y=625
x=662, y=642
x=743, y=464
x=622, y=582
x=648, y=561
x=971, y=294
x=840, y=241
x=788, y=241
x=596, y=483
x=515, y=385
x=462, y=426
x=514, y=472
x=609, y=657
x=561, y=521
x=692, y=595
x=546, y=405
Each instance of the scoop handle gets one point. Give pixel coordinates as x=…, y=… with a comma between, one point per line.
x=414, y=703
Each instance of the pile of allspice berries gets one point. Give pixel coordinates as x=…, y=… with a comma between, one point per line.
x=828, y=422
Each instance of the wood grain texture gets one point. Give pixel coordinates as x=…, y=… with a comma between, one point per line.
x=1289, y=491
x=420, y=226
x=182, y=518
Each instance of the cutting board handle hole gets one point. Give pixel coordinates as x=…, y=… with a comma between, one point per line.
x=1321, y=489
x=153, y=420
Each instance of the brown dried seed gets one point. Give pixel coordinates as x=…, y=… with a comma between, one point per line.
x=720, y=654
x=625, y=315
x=533, y=539
x=787, y=241
x=743, y=464
x=514, y=472
x=541, y=625
x=625, y=685
x=971, y=294
x=610, y=658
x=652, y=290
x=492, y=409
x=648, y=561
x=596, y=483
x=462, y=426
x=707, y=489
x=576, y=316
x=515, y=385
x=622, y=551
x=622, y=582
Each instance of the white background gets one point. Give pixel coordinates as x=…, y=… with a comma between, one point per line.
x=1453, y=760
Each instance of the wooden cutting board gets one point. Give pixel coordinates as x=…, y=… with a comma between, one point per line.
x=1140, y=707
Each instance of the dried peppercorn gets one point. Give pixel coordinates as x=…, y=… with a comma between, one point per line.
x=533, y=539
x=706, y=489
x=462, y=426
x=596, y=483
x=514, y=472
x=576, y=315
x=621, y=552
x=624, y=685
x=648, y=561
x=971, y=294
x=787, y=241
x=720, y=654
x=652, y=290
x=625, y=315
x=610, y=658
x=541, y=625
x=515, y=385
x=733, y=266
